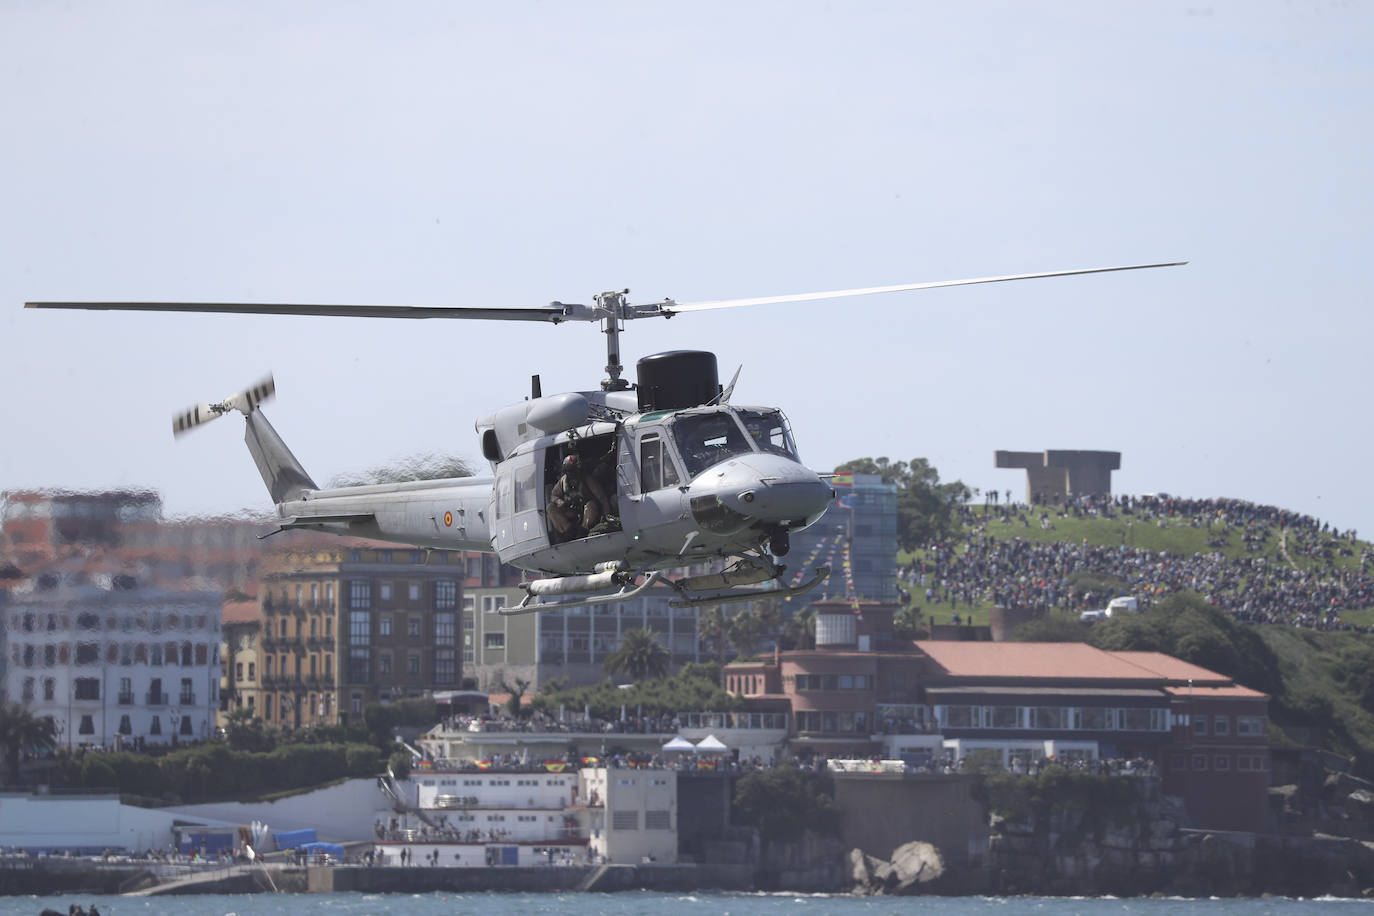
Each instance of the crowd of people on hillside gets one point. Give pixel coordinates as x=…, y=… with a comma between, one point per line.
x=1268, y=585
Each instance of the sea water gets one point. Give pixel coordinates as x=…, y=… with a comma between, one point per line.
x=660, y=904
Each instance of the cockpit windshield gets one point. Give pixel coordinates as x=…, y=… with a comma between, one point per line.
x=705, y=439
x=770, y=431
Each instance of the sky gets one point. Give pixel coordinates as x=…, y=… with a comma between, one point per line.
x=512, y=154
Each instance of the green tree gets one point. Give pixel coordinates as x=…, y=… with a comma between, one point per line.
x=712, y=628
x=745, y=629
x=1051, y=628
x=641, y=656
x=926, y=508
x=22, y=732
x=782, y=802
x=246, y=732
x=514, y=705
x=1187, y=627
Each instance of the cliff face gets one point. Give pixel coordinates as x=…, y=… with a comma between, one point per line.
x=1139, y=847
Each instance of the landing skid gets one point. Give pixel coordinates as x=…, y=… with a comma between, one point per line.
x=746, y=594
x=574, y=586
x=600, y=588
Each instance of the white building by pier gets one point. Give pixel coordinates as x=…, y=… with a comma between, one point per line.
x=114, y=664
x=504, y=817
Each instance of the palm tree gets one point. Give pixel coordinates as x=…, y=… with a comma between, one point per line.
x=20, y=730
x=640, y=655
x=711, y=628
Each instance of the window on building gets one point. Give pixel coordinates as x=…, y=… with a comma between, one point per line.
x=445, y=667
x=1221, y=725
x=413, y=664
x=355, y=704
x=126, y=726
x=445, y=627
x=1199, y=728
x=445, y=594
x=1221, y=763
x=88, y=688
x=360, y=628
x=27, y=693
x=251, y=673
x=188, y=694
x=1200, y=762
x=383, y=624
x=384, y=591
x=87, y=726
x=126, y=691
x=1250, y=726
x=384, y=664
x=360, y=665
x=414, y=589
x=413, y=627
x=359, y=594
x=493, y=640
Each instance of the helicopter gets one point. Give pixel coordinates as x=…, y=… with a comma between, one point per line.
x=601, y=494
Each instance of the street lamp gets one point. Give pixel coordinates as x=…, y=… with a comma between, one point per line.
x=174, y=714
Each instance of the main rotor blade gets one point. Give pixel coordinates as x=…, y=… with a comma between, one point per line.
x=550, y=313
x=869, y=290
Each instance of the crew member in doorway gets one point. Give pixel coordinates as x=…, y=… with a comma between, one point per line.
x=578, y=501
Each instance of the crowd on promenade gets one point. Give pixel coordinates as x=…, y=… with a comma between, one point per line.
x=1266, y=585
x=538, y=721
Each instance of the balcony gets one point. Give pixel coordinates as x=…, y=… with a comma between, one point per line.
x=157, y=698
x=188, y=698
x=126, y=699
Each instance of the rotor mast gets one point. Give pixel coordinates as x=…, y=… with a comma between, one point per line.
x=610, y=306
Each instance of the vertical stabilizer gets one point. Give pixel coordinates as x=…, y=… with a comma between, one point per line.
x=283, y=474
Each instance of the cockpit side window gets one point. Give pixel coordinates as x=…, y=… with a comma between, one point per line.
x=770, y=431
x=707, y=439
x=656, y=469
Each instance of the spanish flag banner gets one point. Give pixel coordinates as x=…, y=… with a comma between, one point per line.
x=842, y=479
x=555, y=766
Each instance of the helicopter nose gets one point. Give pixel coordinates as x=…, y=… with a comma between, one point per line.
x=762, y=490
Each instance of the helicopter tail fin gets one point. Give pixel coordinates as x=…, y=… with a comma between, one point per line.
x=283, y=474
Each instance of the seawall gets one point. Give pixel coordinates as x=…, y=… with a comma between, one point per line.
x=653, y=877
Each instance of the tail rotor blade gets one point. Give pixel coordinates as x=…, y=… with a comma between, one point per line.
x=245, y=402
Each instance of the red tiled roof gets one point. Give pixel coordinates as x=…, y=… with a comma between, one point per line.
x=239, y=612
x=1173, y=669
x=1048, y=660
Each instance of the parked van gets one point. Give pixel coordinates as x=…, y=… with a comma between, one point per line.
x=1122, y=605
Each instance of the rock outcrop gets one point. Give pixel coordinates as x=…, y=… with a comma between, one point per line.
x=915, y=868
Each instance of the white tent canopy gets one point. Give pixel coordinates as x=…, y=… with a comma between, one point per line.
x=679, y=743
x=711, y=743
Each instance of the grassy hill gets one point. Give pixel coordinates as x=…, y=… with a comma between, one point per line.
x=1321, y=681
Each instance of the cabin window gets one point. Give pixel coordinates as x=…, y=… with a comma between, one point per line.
x=707, y=439
x=769, y=431
x=656, y=469
x=526, y=483
x=503, y=496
